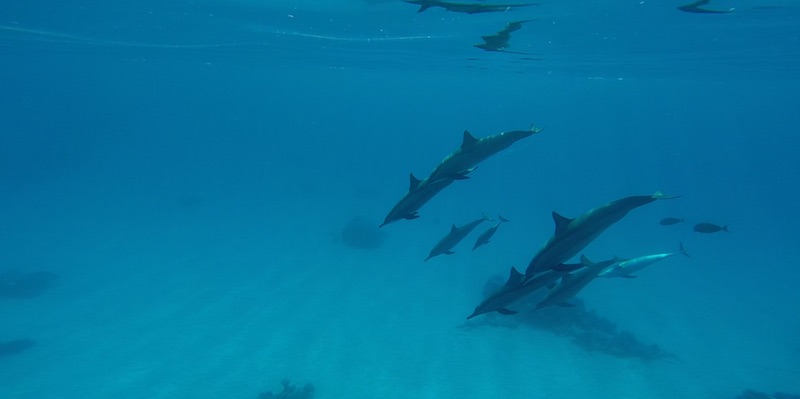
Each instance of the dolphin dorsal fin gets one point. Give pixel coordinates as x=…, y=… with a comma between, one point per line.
x=453, y=228
x=469, y=140
x=413, y=182
x=585, y=261
x=514, y=277
x=561, y=222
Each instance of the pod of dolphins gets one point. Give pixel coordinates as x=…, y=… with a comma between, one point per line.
x=498, y=42
x=548, y=268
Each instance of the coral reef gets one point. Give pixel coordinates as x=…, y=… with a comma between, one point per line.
x=290, y=391
x=592, y=332
x=585, y=327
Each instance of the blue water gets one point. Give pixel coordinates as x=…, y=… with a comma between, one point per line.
x=181, y=172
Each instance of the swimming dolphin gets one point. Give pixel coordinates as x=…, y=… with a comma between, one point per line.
x=473, y=151
x=626, y=268
x=484, y=238
x=571, y=284
x=514, y=290
x=695, y=8
x=453, y=237
x=469, y=8
x=499, y=41
x=572, y=235
x=418, y=194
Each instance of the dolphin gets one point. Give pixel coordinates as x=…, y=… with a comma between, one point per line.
x=469, y=8
x=473, y=151
x=416, y=196
x=419, y=193
x=626, y=268
x=515, y=289
x=573, y=235
x=499, y=41
x=571, y=284
x=484, y=238
x=453, y=237
x=695, y=8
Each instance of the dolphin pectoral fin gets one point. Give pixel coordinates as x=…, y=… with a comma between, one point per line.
x=628, y=276
x=411, y=216
x=462, y=176
x=506, y=311
x=449, y=252
x=566, y=305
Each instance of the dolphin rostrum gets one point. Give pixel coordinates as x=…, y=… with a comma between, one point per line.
x=473, y=151
x=571, y=284
x=514, y=290
x=626, y=268
x=484, y=238
x=469, y=8
x=573, y=235
x=453, y=237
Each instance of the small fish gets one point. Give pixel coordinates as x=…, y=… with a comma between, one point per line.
x=669, y=221
x=709, y=228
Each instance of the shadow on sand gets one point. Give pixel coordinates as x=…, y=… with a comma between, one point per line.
x=15, y=284
x=15, y=347
x=585, y=327
x=290, y=391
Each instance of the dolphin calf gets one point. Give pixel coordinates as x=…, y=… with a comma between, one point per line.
x=626, y=268
x=572, y=235
x=484, y=238
x=469, y=8
x=515, y=289
x=453, y=237
x=473, y=151
x=571, y=284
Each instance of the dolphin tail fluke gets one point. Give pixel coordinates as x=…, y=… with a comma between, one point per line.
x=725, y=229
x=683, y=251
